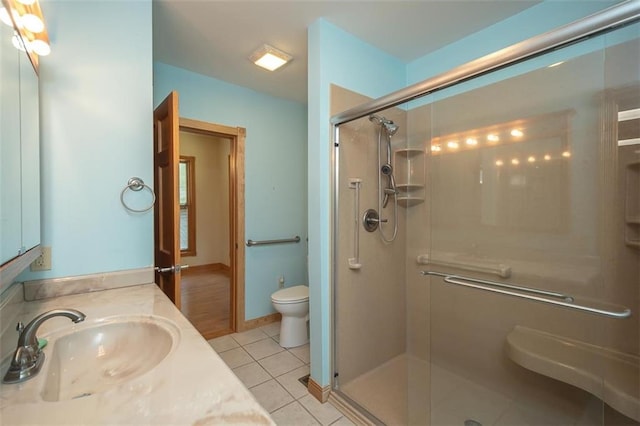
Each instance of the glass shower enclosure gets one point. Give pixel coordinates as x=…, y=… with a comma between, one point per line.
x=510, y=294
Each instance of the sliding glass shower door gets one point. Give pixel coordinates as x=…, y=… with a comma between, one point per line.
x=511, y=294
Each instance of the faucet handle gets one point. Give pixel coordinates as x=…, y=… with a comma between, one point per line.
x=19, y=327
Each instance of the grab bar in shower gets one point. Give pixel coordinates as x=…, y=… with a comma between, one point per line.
x=354, y=262
x=251, y=243
x=487, y=267
x=529, y=293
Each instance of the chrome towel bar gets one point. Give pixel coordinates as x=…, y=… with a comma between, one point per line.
x=529, y=293
x=251, y=243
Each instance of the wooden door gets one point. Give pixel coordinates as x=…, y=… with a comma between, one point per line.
x=166, y=160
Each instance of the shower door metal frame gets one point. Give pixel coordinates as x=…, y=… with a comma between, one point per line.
x=607, y=19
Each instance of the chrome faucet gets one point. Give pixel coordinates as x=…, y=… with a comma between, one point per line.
x=28, y=358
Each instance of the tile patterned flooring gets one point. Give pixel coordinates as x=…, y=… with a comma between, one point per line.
x=271, y=373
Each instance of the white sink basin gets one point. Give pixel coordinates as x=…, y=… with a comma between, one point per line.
x=105, y=355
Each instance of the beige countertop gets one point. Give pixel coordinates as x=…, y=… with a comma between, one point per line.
x=191, y=386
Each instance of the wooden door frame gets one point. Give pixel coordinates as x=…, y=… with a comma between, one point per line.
x=237, y=136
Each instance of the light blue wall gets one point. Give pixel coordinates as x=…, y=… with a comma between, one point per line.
x=536, y=20
x=96, y=133
x=335, y=57
x=275, y=164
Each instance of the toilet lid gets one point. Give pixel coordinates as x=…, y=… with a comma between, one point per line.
x=291, y=294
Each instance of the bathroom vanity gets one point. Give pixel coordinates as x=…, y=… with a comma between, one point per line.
x=134, y=360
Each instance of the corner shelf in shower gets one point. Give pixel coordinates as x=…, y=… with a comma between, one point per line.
x=408, y=201
x=409, y=186
x=409, y=152
x=408, y=172
x=612, y=376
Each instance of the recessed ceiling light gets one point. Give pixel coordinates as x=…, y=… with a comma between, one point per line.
x=269, y=57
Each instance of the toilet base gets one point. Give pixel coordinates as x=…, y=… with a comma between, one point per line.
x=293, y=332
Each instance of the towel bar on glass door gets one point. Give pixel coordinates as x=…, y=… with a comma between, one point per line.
x=535, y=294
x=251, y=243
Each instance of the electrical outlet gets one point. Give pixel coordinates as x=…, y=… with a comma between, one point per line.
x=281, y=281
x=42, y=262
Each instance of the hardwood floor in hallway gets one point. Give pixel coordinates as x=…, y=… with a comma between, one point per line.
x=206, y=299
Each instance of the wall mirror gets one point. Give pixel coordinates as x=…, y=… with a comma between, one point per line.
x=19, y=153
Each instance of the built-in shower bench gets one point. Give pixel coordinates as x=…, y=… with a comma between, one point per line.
x=612, y=376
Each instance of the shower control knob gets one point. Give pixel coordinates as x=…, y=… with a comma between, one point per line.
x=370, y=220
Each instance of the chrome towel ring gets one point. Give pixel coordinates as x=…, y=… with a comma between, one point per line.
x=136, y=184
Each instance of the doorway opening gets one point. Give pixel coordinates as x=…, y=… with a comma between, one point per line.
x=213, y=294
x=205, y=231
x=210, y=194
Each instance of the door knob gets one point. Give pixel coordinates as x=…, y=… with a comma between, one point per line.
x=171, y=269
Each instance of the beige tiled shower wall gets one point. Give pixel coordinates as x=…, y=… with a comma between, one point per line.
x=371, y=301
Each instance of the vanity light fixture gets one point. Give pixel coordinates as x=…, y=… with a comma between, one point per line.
x=32, y=23
x=6, y=18
x=270, y=58
x=17, y=42
x=40, y=47
x=472, y=141
x=28, y=19
x=491, y=137
x=517, y=133
x=452, y=145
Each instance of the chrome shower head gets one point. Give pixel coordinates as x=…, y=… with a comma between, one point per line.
x=390, y=127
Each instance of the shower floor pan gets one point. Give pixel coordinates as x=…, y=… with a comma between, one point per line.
x=612, y=376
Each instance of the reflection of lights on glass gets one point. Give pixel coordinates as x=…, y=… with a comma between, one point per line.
x=499, y=163
x=515, y=161
x=452, y=144
x=556, y=64
x=493, y=137
x=472, y=141
x=4, y=17
x=531, y=159
x=547, y=157
x=435, y=148
x=18, y=43
x=566, y=154
x=101, y=351
x=517, y=133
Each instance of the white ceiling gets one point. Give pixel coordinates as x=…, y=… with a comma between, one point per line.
x=215, y=38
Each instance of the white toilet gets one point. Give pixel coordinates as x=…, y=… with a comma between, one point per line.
x=293, y=304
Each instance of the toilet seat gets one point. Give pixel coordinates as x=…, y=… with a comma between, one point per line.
x=295, y=294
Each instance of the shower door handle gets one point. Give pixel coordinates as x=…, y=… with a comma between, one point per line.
x=534, y=294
